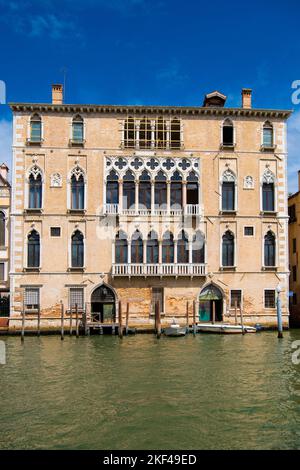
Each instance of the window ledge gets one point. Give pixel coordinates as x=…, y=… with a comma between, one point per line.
x=265, y=148
x=269, y=268
x=268, y=213
x=227, y=146
x=31, y=270
x=76, y=211
x=34, y=142
x=32, y=211
x=76, y=143
x=228, y=212
x=227, y=268
x=76, y=270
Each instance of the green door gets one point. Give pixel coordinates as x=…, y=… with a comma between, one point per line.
x=204, y=311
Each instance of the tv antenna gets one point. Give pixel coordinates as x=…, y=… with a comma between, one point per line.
x=64, y=71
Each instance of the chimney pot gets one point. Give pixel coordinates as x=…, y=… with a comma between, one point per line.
x=57, y=94
x=4, y=171
x=247, y=98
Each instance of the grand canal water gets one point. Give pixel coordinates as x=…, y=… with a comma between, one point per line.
x=207, y=392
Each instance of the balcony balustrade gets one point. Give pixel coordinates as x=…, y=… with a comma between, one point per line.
x=115, y=209
x=162, y=270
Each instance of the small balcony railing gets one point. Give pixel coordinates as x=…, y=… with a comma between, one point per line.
x=164, y=269
x=188, y=209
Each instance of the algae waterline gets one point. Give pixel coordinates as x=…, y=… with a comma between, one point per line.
x=100, y=392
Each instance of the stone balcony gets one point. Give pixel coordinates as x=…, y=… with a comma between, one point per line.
x=158, y=270
x=188, y=209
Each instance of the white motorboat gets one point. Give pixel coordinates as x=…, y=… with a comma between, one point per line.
x=224, y=328
x=175, y=329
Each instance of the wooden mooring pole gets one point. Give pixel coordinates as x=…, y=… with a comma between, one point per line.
x=157, y=316
x=235, y=312
x=39, y=321
x=120, y=329
x=127, y=318
x=71, y=319
x=213, y=311
x=187, y=316
x=76, y=321
x=62, y=314
x=242, y=320
x=23, y=324
x=194, y=317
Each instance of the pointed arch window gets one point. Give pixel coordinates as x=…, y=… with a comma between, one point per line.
x=268, y=135
x=168, y=248
x=77, y=129
x=228, y=249
x=121, y=248
x=33, y=249
x=152, y=248
x=112, y=188
x=128, y=190
x=192, y=189
x=270, y=250
x=77, y=189
x=35, y=128
x=160, y=190
x=198, y=255
x=228, y=133
x=2, y=229
x=182, y=248
x=145, y=190
x=268, y=192
x=35, y=188
x=137, y=248
x=228, y=191
x=77, y=250
x=176, y=190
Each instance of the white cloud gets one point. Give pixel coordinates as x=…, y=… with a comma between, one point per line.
x=293, y=151
x=5, y=142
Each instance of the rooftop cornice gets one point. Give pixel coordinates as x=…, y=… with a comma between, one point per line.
x=175, y=110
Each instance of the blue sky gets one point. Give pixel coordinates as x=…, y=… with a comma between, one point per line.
x=151, y=52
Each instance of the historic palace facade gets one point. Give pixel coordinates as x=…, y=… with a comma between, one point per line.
x=140, y=204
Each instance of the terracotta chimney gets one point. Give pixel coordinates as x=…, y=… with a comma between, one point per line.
x=57, y=94
x=4, y=171
x=298, y=180
x=247, y=98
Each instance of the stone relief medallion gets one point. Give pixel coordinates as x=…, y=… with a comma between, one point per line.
x=56, y=180
x=248, y=182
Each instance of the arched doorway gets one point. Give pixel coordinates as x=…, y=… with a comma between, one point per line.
x=211, y=304
x=103, y=304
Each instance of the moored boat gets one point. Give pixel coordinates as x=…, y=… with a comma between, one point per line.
x=224, y=328
x=175, y=330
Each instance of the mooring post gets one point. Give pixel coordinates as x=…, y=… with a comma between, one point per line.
x=213, y=311
x=23, y=324
x=71, y=318
x=279, y=316
x=157, y=315
x=39, y=321
x=120, y=320
x=187, y=316
x=242, y=320
x=61, y=320
x=194, y=317
x=127, y=318
x=76, y=321
x=235, y=311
